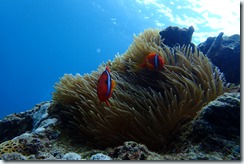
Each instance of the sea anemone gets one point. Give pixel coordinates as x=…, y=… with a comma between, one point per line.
x=146, y=106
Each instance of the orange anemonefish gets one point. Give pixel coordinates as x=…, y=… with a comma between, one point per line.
x=153, y=62
x=105, y=86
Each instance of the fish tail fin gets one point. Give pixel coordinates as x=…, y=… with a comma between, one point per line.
x=113, y=84
x=150, y=66
x=107, y=103
x=142, y=65
x=147, y=65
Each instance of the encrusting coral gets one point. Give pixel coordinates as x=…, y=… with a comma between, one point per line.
x=22, y=146
x=146, y=106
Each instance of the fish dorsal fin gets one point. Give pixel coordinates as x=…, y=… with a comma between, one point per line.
x=107, y=68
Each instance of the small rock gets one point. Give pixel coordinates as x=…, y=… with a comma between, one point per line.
x=57, y=153
x=23, y=136
x=40, y=115
x=48, y=122
x=39, y=130
x=100, y=156
x=131, y=151
x=71, y=156
x=44, y=156
x=53, y=134
x=12, y=156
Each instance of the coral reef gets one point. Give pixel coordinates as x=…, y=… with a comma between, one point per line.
x=146, y=107
x=224, y=52
x=183, y=111
x=24, y=145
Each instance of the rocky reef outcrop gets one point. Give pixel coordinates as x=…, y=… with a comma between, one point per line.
x=15, y=124
x=216, y=130
x=213, y=135
x=174, y=35
x=224, y=52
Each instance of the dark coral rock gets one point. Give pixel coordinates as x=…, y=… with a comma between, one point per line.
x=57, y=153
x=218, y=124
x=213, y=135
x=221, y=116
x=15, y=124
x=33, y=145
x=224, y=52
x=176, y=35
x=130, y=151
x=52, y=134
x=215, y=46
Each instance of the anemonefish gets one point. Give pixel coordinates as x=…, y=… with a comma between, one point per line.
x=153, y=62
x=105, y=86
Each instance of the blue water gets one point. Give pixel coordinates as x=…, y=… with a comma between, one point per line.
x=40, y=40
